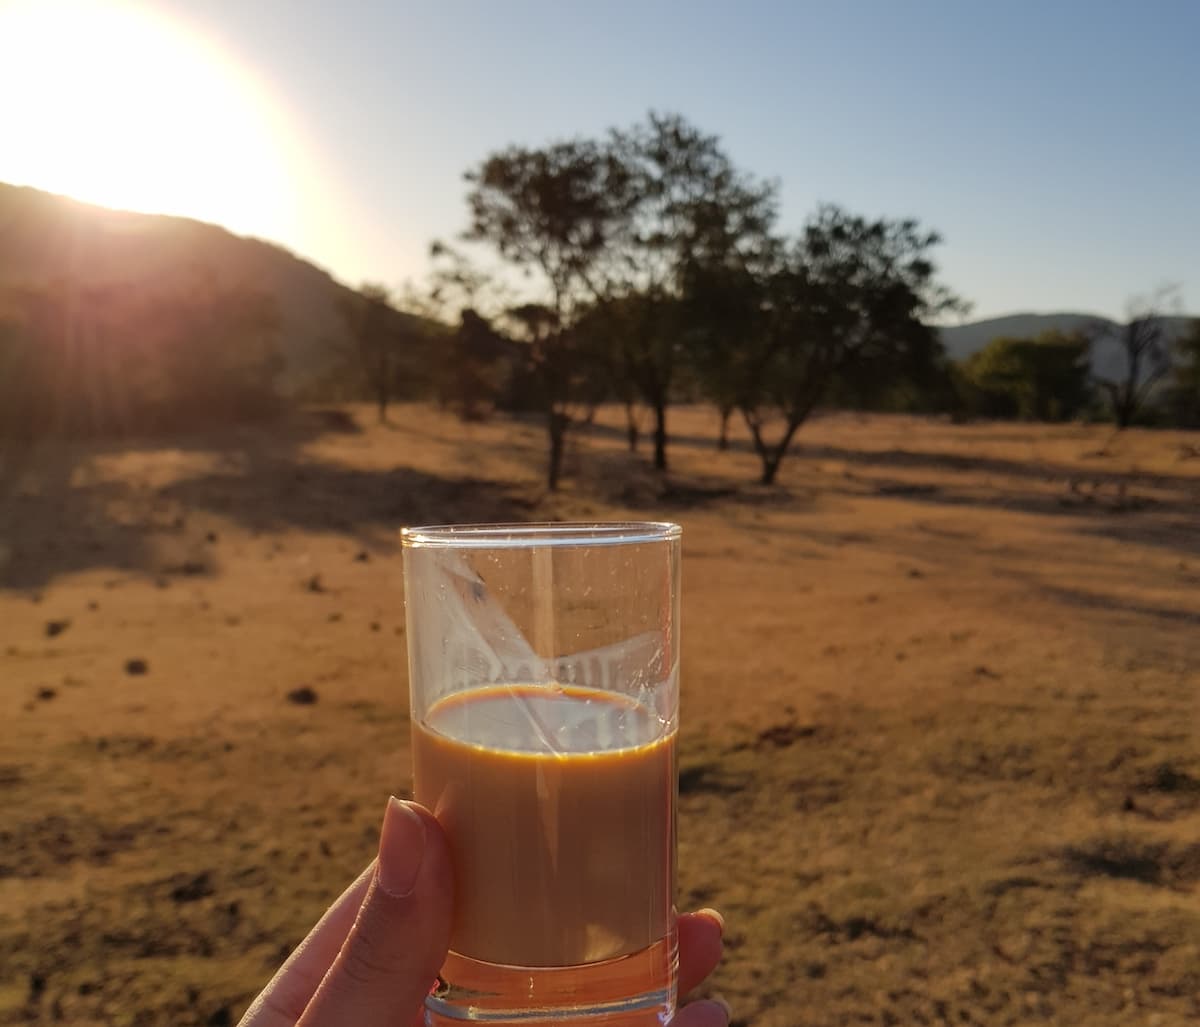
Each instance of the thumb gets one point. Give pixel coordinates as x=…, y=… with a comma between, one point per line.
x=396, y=947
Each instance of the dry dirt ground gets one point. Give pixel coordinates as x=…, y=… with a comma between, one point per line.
x=940, y=758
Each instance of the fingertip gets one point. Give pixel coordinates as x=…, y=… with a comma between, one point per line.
x=700, y=948
x=704, y=1013
x=705, y=923
x=437, y=865
x=401, y=849
x=399, y=938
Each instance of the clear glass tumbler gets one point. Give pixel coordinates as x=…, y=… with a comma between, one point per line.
x=544, y=669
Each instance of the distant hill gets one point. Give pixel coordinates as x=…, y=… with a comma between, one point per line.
x=1107, y=361
x=44, y=237
x=963, y=340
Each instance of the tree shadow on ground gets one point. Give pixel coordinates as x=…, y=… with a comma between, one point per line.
x=60, y=513
x=1178, y=534
x=1165, y=520
x=47, y=460
x=1119, y=605
x=1037, y=470
x=629, y=480
x=371, y=505
x=1163, y=863
x=918, y=460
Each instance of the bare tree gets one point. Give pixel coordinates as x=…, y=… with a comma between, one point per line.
x=1145, y=346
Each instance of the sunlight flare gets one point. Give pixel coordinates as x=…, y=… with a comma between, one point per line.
x=117, y=105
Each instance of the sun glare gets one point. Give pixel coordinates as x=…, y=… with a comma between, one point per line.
x=116, y=105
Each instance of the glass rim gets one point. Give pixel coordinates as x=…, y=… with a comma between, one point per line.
x=532, y=534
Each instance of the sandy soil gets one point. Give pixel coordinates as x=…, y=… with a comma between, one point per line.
x=940, y=760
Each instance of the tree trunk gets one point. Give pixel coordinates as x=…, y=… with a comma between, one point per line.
x=1127, y=408
x=756, y=437
x=1125, y=394
x=723, y=437
x=631, y=427
x=660, y=435
x=382, y=401
x=557, y=426
x=772, y=456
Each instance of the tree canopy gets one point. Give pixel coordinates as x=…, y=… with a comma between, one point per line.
x=1044, y=378
x=657, y=247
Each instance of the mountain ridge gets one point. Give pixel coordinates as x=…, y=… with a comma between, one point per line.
x=1107, y=357
x=46, y=237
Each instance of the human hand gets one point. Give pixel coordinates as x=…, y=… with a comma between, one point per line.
x=372, y=958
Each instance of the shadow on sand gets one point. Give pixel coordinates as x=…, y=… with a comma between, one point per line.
x=59, y=514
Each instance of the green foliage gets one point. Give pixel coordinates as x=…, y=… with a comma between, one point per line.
x=694, y=210
x=1183, y=394
x=659, y=264
x=935, y=388
x=726, y=318
x=636, y=340
x=609, y=229
x=553, y=214
x=1043, y=379
x=849, y=299
x=555, y=211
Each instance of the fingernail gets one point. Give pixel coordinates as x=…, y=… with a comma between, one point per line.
x=712, y=914
x=724, y=1005
x=401, y=849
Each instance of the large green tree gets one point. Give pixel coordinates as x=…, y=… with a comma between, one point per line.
x=605, y=340
x=554, y=214
x=609, y=230
x=1185, y=379
x=653, y=242
x=1044, y=378
x=851, y=296
x=726, y=314
x=693, y=208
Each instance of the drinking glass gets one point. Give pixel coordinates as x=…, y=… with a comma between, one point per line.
x=544, y=676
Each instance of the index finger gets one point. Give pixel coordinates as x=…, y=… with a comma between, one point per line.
x=283, y=1000
x=699, y=947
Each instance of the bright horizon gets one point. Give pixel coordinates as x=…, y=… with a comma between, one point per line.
x=1052, y=149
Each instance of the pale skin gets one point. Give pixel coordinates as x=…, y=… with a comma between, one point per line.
x=372, y=957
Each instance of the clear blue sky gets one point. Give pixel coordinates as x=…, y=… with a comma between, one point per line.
x=1056, y=146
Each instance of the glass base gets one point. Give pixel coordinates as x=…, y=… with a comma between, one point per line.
x=638, y=990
